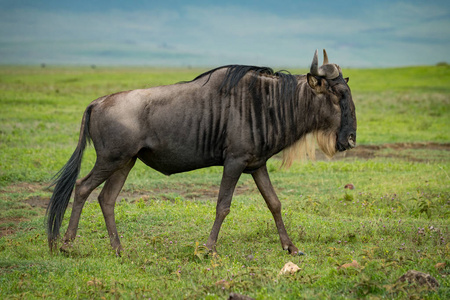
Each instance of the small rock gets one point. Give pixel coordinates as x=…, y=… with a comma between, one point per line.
x=420, y=278
x=290, y=268
x=236, y=296
x=349, y=186
x=353, y=264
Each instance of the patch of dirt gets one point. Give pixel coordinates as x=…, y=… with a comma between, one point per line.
x=38, y=201
x=30, y=197
x=189, y=193
x=6, y=231
x=371, y=151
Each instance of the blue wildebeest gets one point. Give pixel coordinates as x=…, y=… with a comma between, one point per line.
x=233, y=116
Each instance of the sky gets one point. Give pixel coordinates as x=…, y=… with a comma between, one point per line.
x=202, y=33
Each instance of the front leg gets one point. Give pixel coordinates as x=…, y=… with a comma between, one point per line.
x=232, y=170
x=262, y=180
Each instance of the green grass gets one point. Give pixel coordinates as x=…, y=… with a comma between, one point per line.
x=396, y=219
x=402, y=105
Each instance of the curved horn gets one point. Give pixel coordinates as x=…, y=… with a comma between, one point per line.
x=315, y=64
x=329, y=71
x=325, y=57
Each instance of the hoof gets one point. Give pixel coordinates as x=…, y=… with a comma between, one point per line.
x=65, y=248
x=212, y=253
x=294, y=251
x=297, y=253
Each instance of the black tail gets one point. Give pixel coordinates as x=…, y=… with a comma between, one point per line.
x=65, y=180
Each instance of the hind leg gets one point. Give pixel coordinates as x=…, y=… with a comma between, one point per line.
x=83, y=188
x=107, y=200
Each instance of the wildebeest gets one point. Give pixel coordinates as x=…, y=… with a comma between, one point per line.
x=233, y=116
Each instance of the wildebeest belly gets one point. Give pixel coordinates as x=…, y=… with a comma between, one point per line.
x=170, y=162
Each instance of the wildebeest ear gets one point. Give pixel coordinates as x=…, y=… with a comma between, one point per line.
x=347, y=79
x=313, y=81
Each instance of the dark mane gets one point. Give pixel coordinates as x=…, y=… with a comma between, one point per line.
x=235, y=73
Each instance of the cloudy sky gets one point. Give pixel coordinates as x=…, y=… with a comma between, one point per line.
x=210, y=33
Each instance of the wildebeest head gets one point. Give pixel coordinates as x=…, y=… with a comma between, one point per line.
x=327, y=82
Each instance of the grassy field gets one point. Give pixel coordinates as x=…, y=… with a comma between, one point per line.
x=396, y=219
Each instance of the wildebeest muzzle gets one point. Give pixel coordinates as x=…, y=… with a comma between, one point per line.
x=346, y=138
